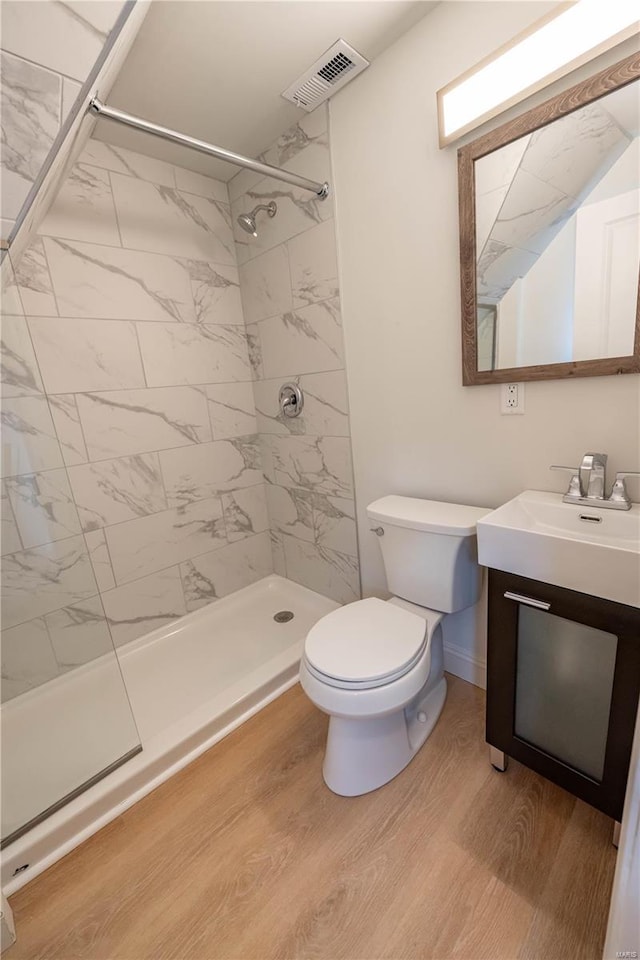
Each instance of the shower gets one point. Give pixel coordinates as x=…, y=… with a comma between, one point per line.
x=248, y=220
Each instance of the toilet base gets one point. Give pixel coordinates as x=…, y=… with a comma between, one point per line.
x=363, y=755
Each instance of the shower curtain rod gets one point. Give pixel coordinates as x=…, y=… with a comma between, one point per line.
x=101, y=109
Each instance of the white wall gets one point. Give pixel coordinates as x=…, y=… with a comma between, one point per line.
x=416, y=430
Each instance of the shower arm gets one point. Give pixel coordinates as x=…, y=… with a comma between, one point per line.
x=101, y=110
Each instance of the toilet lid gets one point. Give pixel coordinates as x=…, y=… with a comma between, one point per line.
x=365, y=641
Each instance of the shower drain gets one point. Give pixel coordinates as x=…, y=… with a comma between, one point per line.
x=283, y=616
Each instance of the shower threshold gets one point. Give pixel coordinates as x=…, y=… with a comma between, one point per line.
x=190, y=684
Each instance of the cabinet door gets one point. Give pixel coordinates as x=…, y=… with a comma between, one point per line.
x=562, y=685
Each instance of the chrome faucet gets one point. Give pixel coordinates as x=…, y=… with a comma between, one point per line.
x=588, y=484
x=592, y=475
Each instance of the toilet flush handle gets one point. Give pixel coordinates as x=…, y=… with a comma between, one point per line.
x=379, y=531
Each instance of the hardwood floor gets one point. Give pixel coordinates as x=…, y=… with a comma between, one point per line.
x=246, y=854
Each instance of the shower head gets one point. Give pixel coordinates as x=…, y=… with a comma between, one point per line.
x=248, y=220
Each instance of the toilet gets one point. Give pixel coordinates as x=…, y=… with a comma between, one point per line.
x=376, y=667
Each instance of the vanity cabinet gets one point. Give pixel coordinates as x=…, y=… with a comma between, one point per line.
x=563, y=679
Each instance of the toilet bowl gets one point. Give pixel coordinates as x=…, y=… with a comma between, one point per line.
x=376, y=667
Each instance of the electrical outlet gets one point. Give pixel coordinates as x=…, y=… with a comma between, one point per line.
x=512, y=398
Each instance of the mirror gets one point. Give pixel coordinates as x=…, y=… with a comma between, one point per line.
x=550, y=237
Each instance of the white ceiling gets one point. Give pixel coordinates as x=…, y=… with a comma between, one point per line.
x=215, y=69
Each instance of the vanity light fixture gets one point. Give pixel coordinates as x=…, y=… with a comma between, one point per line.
x=551, y=48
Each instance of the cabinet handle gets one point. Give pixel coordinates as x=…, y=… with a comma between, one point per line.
x=529, y=601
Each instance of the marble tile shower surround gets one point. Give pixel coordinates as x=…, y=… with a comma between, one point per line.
x=133, y=489
x=148, y=469
x=290, y=295
x=42, y=71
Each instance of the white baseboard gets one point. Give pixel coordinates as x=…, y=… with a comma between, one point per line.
x=462, y=664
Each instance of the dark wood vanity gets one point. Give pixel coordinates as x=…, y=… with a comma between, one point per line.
x=563, y=681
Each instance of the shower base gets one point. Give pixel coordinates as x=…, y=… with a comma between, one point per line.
x=190, y=684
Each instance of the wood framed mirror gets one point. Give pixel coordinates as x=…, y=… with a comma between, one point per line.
x=550, y=237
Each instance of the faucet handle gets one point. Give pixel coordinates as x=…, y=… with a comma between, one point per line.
x=575, y=490
x=619, y=490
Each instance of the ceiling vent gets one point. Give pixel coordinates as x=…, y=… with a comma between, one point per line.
x=340, y=64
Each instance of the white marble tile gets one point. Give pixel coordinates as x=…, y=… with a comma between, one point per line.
x=216, y=293
x=122, y=422
x=100, y=559
x=76, y=356
x=112, y=491
x=20, y=374
x=214, y=575
x=108, y=283
x=185, y=353
x=43, y=507
x=320, y=464
x=305, y=341
x=66, y=421
x=27, y=658
x=83, y=208
x=142, y=546
x=266, y=443
x=574, y=152
x=9, y=536
x=79, y=633
x=30, y=120
x=328, y=572
x=70, y=91
x=210, y=469
x=500, y=266
x=231, y=410
x=314, y=265
x=325, y=410
x=298, y=209
x=44, y=579
x=290, y=511
x=69, y=35
x=277, y=553
x=309, y=131
x=245, y=512
x=162, y=220
x=29, y=441
x=11, y=302
x=529, y=209
x=34, y=282
x=255, y=350
x=144, y=605
x=266, y=285
x=190, y=182
x=128, y=162
x=242, y=182
x=334, y=523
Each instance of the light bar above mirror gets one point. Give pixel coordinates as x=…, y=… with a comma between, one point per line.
x=553, y=47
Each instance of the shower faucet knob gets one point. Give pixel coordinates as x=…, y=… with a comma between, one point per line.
x=291, y=400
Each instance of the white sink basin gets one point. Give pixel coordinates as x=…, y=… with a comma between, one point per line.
x=536, y=535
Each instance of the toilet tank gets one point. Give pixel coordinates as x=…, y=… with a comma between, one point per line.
x=429, y=551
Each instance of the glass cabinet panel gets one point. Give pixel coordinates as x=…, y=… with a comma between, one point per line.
x=564, y=682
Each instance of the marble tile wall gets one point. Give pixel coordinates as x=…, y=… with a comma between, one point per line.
x=132, y=481
x=42, y=71
x=290, y=295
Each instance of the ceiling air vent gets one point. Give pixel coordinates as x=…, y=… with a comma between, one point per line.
x=336, y=67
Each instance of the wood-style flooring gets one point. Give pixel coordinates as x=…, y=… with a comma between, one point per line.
x=246, y=854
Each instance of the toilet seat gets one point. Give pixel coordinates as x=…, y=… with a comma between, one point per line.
x=366, y=644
